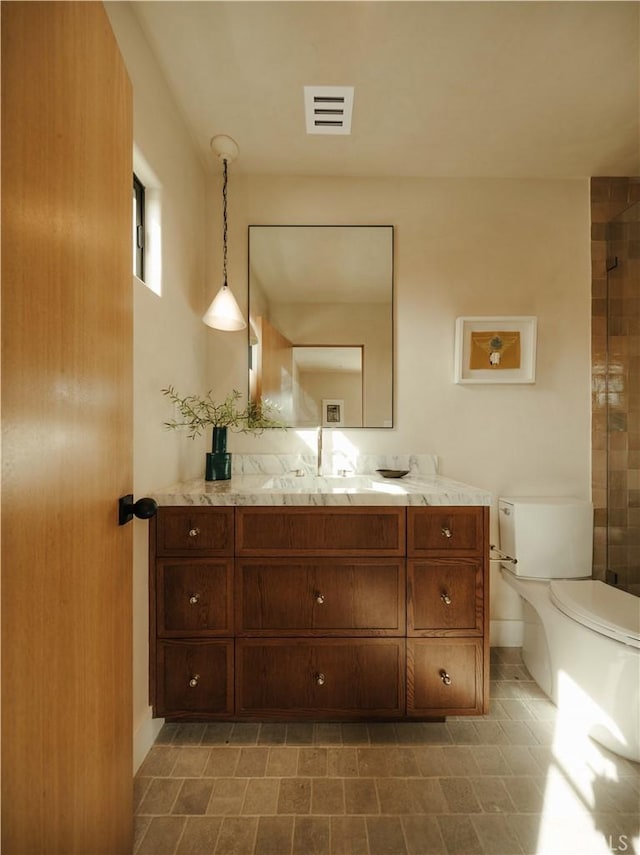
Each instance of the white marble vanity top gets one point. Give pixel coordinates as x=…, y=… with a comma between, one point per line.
x=354, y=489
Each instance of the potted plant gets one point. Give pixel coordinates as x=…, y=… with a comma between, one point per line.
x=198, y=413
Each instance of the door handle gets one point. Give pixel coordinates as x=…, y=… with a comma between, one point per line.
x=143, y=508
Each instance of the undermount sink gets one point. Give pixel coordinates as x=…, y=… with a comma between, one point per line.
x=330, y=484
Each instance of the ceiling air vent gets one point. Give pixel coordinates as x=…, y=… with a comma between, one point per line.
x=328, y=109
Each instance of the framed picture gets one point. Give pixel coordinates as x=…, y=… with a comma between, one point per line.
x=495, y=350
x=332, y=412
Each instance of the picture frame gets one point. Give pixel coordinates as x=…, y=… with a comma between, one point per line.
x=332, y=412
x=497, y=349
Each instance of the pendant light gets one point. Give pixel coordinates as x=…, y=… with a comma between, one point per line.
x=224, y=312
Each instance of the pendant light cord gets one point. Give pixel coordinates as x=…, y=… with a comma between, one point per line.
x=224, y=224
x=224, y=312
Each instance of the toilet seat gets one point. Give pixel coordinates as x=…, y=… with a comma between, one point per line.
x=600, y=607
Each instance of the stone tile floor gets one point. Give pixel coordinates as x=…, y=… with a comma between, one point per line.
x=515, y=781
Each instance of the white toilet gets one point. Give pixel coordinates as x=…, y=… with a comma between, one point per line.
x=581, y=637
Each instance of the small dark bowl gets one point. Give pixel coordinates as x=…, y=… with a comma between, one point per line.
x=393, y=473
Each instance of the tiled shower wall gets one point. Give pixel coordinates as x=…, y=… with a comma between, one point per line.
x=615, y=360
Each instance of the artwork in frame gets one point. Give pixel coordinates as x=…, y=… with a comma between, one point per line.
x=495, y=349
x=332, y=412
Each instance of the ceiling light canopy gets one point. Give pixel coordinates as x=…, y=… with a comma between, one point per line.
x=224, y=312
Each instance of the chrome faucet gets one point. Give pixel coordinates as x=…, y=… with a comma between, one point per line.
x=319, y=453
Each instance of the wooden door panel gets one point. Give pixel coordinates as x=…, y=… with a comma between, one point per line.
x=328, y=596
x=67, y=432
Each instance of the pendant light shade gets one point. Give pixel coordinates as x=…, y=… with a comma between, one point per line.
x=224, y=312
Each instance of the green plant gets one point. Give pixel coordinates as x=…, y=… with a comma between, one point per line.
x=198, y=413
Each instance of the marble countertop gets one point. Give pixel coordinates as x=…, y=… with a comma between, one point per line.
x=355, y=489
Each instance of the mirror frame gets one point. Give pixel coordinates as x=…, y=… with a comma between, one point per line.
x=392, y=309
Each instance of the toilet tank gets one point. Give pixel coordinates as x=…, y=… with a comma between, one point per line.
x=550, y=537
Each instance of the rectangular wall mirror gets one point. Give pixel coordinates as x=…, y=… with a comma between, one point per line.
x=321, y=323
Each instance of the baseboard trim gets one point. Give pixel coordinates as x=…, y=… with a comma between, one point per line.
x=144, y=737
x=506, y=633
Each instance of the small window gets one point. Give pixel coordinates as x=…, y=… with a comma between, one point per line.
x=138, y=228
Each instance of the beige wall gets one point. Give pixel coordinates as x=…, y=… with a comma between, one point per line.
x=169, y=338
x=462, y=247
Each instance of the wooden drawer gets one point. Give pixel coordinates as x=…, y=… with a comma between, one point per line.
x=194, y=597
x=194, y=531
x=446, y=531
x=322, y=596
x=444, y=677
x=444, y=597
x=194, y=679
x=320, y=531
x=330, y=678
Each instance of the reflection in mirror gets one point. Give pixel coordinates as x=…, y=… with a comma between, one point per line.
x=326, y=373
x=321, y=323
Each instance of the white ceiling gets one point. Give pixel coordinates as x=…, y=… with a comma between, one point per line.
x=452, y=89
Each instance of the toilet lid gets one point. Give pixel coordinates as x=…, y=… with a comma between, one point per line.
x=601, y=607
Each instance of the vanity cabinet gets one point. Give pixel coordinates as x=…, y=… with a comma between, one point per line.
x=191, y=616
x=447, y=611
x=322, y=572
x=319, y=612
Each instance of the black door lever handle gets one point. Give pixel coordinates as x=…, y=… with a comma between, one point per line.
x=143, y=508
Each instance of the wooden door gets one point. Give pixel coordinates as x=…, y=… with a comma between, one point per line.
x=67, y=432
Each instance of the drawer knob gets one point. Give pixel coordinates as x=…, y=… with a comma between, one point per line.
x=445, y=531
x=446, y=599
x=193, y=682
x=194, y=532
x=194, y=598
x=319, y=598
x=320, y=679
x=446, y=679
